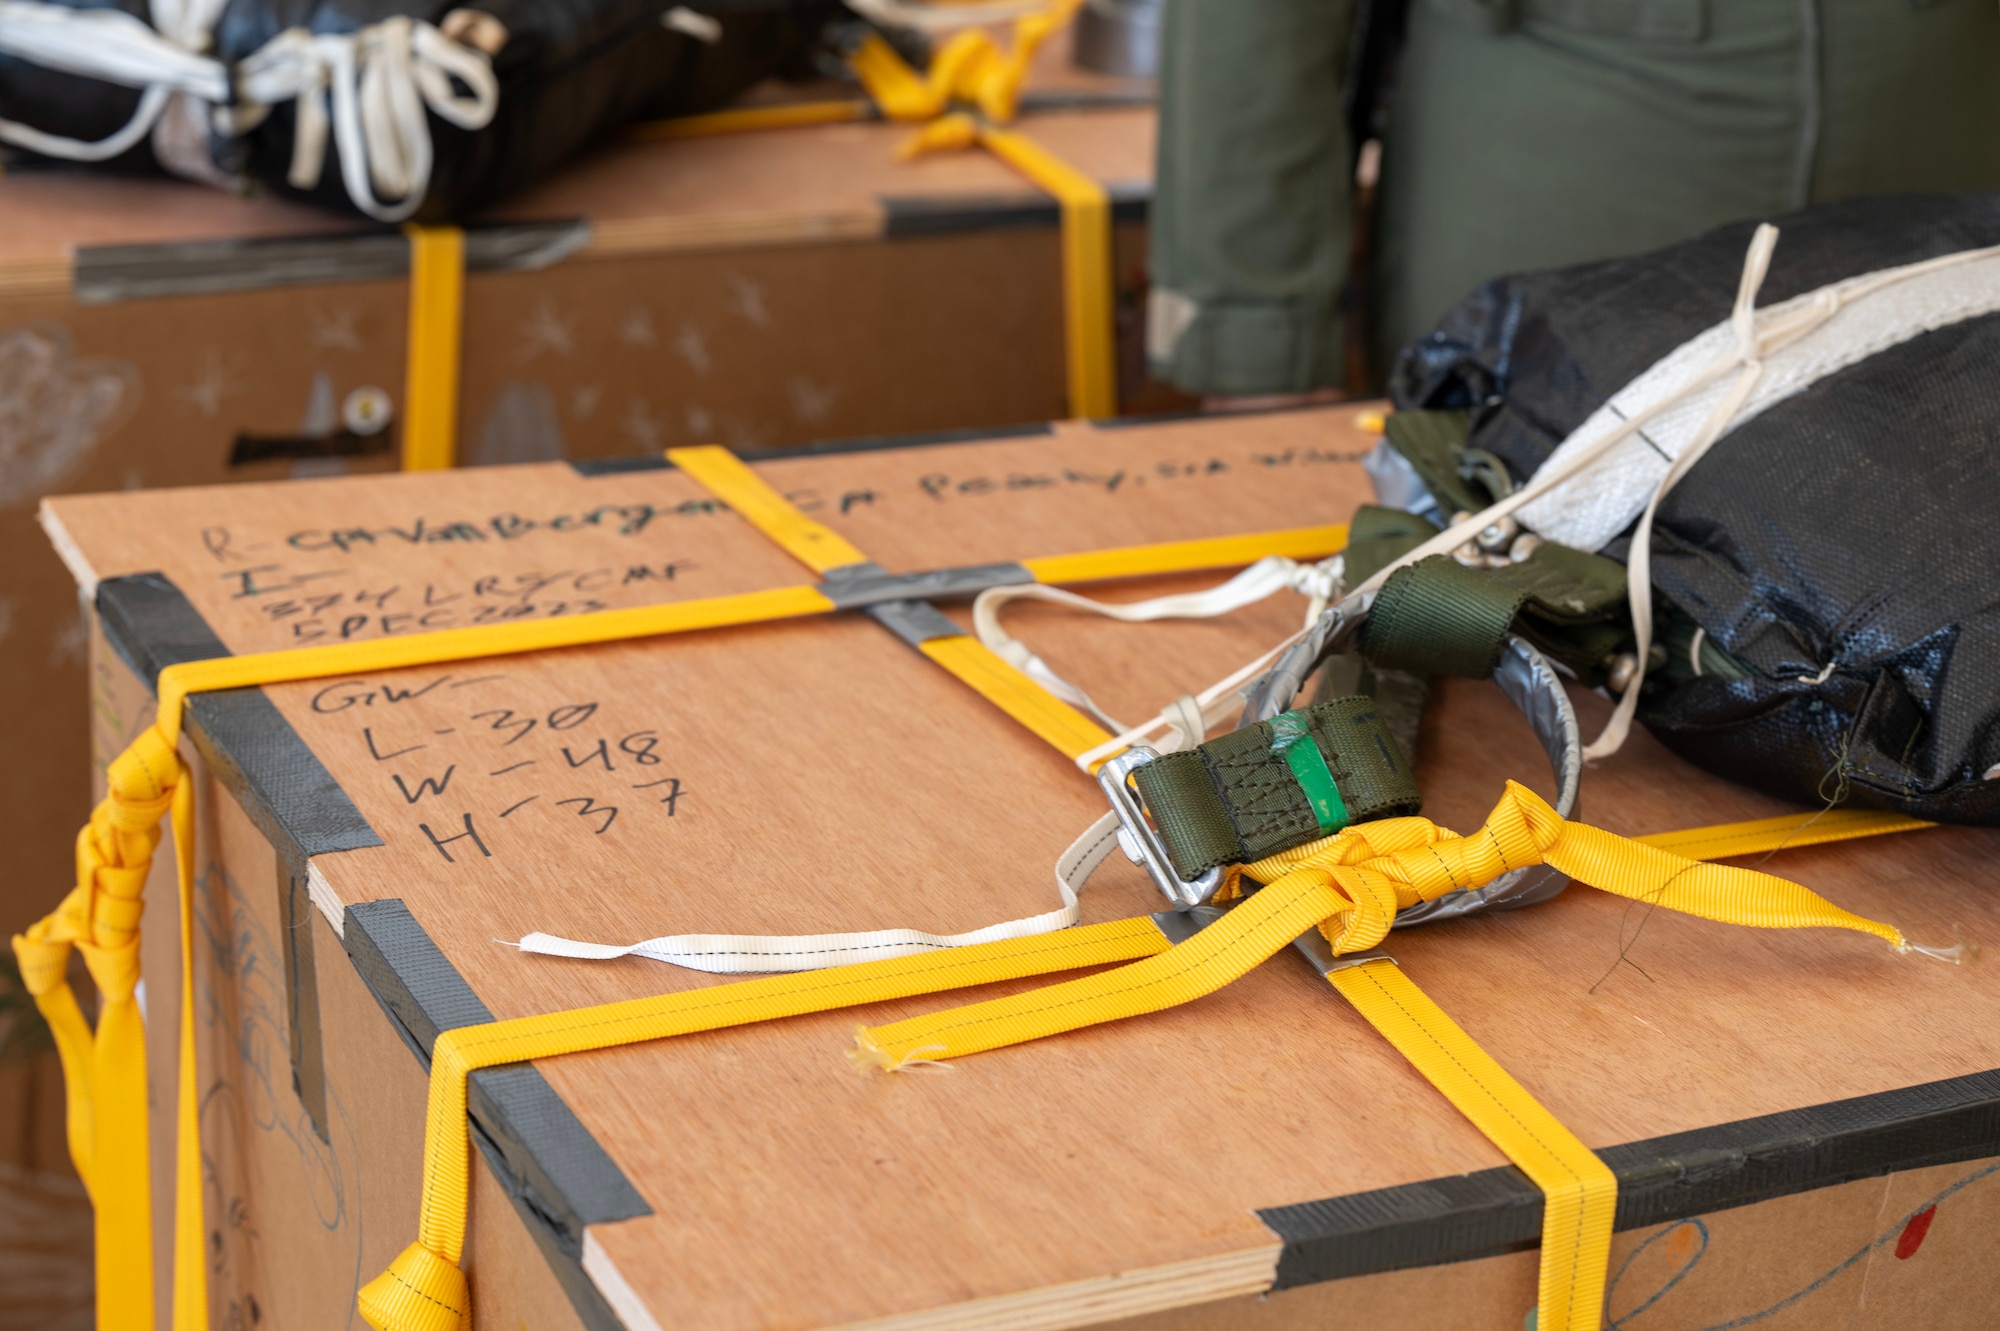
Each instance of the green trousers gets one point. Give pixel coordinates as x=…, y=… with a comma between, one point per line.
x=1522, y=134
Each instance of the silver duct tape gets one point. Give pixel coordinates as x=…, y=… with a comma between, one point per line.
x=1529, y=682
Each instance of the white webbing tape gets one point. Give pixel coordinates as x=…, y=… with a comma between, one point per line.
x=751, y=954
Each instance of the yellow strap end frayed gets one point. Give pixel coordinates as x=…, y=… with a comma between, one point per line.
x=420, y=1291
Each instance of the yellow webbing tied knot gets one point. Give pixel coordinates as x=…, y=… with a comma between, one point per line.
x=104, y=1070
x=1341, y=884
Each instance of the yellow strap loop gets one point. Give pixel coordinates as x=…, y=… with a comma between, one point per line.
x=899, y=91
x=437, y=318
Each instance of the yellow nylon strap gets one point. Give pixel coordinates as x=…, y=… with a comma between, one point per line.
x=1086, y=259
x=190, y=1228
x=726, y=476
x=820, y=548
x=1049, y=717
x=424, y=1290
x=104, y=1071
x=1787, y=831
x=745, y=119
x=1580, y=1192
x=897, y=90
x=437, y=317
x=1350, y=886
x=1301, y=543
x=445, y=645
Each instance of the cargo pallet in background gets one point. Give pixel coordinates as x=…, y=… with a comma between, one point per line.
x=759, y=289
x=1806, y=1128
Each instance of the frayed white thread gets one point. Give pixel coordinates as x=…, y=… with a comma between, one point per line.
x=1961, y=953
x=1826, y=673
x=1694, y=650
x=867, y=1055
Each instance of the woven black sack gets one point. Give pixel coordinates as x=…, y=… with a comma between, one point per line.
x=442, y=106
x=1827, y=577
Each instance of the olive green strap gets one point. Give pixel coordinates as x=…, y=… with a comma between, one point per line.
x=1275, y=785
x=1438, y=616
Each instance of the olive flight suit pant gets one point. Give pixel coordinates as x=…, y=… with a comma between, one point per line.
x=1522, y=134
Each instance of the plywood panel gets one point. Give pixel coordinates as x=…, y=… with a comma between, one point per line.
x=830, y=778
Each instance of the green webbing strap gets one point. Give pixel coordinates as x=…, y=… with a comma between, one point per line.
x=1275, y=785
x=1433, y=443
x=1438, y=616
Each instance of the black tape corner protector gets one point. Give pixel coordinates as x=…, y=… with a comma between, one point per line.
x=558, y=1176
x=103, y=274
x=1660, y=1180
x=905, y=215
x=250, y=747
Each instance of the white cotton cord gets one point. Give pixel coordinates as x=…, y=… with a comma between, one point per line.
x=757, y=954
x=1638, y=565
x=1218, y=701
x=1694, y=650
x=379, y=82
x=1258, y=582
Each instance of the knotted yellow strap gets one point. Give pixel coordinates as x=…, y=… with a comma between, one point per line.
x=424, y=1290
x=104, y=1071
x=1349, y=886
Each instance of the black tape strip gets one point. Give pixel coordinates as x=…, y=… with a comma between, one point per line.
x=905, y=216
x=540, y=1150
x=250, y=449
x=107, y=273
x=248, y=744
x=1659, y=1181
x=295, y=915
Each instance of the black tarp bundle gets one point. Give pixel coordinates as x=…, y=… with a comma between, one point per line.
x=566, y=71
x=1840, y=551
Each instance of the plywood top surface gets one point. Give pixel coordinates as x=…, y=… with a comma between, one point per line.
x=831, y=778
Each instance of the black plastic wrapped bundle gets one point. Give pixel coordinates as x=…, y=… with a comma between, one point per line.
x=515, y=88
x=1825, y=577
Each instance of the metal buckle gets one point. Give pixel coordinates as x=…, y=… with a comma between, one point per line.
x=1140, y=841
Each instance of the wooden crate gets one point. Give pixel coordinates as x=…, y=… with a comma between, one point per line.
x=758, y=289
x=1806, y=1127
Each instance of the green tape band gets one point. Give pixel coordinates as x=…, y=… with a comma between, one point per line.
x=1291, y=739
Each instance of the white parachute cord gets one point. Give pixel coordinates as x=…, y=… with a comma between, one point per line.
x=754, y=954
x=1258, y=582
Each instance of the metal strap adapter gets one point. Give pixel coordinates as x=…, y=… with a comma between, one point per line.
x=1529, y=682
